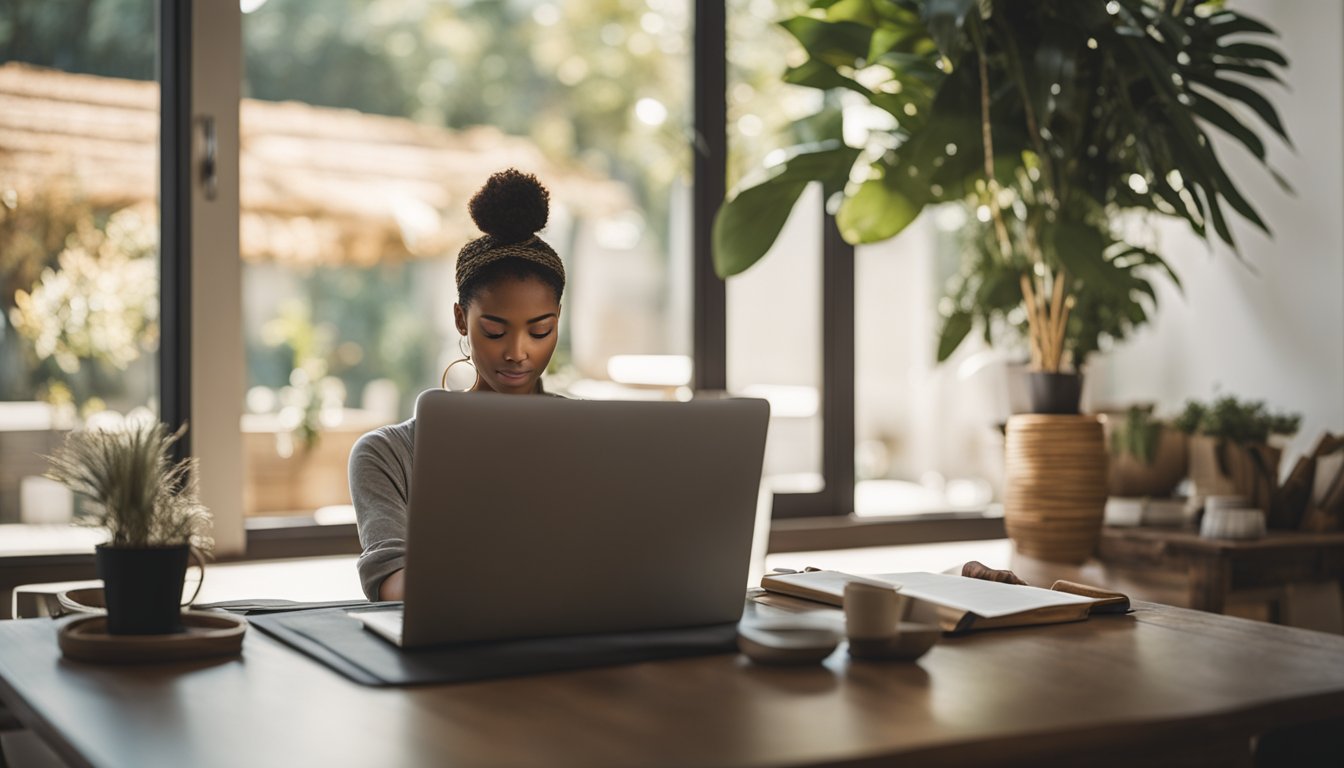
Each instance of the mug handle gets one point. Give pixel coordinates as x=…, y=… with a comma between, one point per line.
x=200, y=563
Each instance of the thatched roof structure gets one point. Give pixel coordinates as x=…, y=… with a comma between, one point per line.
x=319, y=185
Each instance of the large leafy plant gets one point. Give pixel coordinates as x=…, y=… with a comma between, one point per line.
x=1048, y=119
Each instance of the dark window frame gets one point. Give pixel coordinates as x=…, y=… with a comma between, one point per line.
x=173, y=68
x=709, y=351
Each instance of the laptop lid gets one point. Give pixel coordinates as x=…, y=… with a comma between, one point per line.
x=540, y=516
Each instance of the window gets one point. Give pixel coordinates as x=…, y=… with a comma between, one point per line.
x=353, y=208
x=79, y=243
x=840, y=338
x=352, y=195
x=927, y=435
x=774, y=344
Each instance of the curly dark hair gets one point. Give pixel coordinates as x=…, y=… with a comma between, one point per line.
x=510, y=208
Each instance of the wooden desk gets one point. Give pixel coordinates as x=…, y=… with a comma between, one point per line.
x=1215, y=569
x=1161, y=683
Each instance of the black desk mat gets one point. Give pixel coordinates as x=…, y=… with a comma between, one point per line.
x=342, y=643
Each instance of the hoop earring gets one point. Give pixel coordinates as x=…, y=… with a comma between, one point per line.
x=466, y=358
x=443, y=381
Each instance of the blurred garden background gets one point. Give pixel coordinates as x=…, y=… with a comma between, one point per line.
x=365, y=127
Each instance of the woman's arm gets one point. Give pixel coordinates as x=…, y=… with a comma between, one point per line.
x=394, y=586
x=379, y=479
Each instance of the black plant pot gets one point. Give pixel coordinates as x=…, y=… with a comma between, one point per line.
x=1055, y=392
x=142, y=587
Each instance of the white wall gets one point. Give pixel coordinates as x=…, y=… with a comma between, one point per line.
x=1274, y=328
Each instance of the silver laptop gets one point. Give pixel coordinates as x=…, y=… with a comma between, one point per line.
x=540, y=516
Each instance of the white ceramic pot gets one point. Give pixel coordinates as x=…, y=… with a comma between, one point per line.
x=1231, y=517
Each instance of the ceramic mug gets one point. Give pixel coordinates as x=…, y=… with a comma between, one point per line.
x=873, y=614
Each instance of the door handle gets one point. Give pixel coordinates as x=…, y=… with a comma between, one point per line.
x=209, y=156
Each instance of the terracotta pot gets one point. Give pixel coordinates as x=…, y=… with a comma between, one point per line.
x=1222, y=468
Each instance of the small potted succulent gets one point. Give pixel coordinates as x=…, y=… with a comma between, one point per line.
x=150, y=506
x=1231, y=450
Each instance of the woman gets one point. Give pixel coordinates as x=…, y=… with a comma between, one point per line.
x=509, y=283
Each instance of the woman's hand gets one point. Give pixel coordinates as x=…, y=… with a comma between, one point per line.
x=978, y=570
x=394, y=586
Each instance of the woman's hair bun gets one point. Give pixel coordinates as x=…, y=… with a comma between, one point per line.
x=511, y=206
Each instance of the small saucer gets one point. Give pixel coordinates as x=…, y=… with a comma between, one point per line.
x=786, y=641
x=909, y=643
x=204, y=635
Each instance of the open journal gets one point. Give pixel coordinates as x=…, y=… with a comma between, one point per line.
x=958, y=603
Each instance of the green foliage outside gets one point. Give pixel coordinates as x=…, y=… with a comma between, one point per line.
x=111, y=38
x=568, y=75
x=347, y=327
x=80, y=298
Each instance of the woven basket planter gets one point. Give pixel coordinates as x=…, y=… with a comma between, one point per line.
x=1055, y=485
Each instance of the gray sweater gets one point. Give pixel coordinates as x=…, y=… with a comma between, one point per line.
x=380, y=486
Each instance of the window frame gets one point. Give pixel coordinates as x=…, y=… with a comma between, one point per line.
x=174, y=71
x=199, y=69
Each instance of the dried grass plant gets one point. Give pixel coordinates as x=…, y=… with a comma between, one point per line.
x=132, y=486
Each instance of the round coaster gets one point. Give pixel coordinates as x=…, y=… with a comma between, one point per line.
x=205, y=634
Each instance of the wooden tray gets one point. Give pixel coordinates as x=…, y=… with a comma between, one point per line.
x=206, y=635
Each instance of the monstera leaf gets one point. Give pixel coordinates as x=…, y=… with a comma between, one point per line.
x=744, y=231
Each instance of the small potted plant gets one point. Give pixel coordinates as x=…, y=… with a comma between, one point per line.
x=1148, y=458
x=1230, y=448
x=151, y=509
